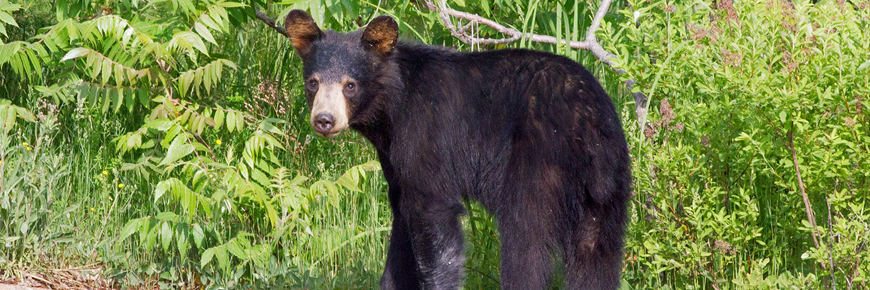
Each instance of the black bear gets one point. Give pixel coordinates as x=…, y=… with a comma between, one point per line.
x=531, y=135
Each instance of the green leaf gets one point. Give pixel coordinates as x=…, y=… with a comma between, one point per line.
x=188, y=39
x=346, y=181
x=106, y=71
x=198, y=235
x=223, y=259
x=5, y=17
x=178, y=149
x=25, y=114
x=231, y=4
x=118, y=98
x=143, y=97
x=864, y=65
x=207, y=256
x=237, y=250
x=181, y=242
x=218, y=119
x=9, y=121
x=203, y=31
x=231, y=121
x=129, y=229
x=75, y=53
x=165, y=236
x=167, y=216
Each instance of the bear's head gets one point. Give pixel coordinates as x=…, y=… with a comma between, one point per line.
x=344, y=74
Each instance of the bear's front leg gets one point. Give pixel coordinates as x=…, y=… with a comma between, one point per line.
x=400, y=271
x=436, y=236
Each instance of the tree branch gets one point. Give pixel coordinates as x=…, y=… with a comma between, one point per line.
x=271, y=23
x=590, y=43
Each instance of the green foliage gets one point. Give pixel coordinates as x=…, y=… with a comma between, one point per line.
x=742, y=91
x=30, y=175
x=6, y=10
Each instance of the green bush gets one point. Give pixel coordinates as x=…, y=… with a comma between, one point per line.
x=739, y=91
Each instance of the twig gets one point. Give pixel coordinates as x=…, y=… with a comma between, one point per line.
x=810, y=216
x=271, y=23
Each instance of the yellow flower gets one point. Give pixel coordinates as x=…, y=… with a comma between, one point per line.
x=218, y=141
x=24, y=144
x=105, y=172
x=28, y=148
x=120, y=185
x=92, y=209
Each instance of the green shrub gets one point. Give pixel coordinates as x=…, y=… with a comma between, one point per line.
x=738, y=92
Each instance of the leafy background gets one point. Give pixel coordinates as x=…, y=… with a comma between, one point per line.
x=165, y=143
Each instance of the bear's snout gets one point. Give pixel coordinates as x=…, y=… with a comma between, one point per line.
x=329, y=113
x=323, y=123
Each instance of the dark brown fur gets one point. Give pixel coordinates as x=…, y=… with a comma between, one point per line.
x=531, y=135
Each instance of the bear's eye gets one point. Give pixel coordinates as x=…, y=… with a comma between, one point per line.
x=350, y=87
x=312, y=84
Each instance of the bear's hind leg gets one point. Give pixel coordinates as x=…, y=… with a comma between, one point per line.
x=594, y=253
x=526, y=262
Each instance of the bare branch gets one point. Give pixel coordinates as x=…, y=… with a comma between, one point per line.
x=271, y=23
x=590, y=43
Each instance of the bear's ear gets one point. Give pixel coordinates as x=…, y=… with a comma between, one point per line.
x=381, y=35
x=302, y=30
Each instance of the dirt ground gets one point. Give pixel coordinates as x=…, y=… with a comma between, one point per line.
x=17, y=287
x=51, y=279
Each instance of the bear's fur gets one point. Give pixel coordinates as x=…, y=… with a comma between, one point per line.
x=531, y=135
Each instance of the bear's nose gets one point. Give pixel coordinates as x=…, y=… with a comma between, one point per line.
x=323, y=123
